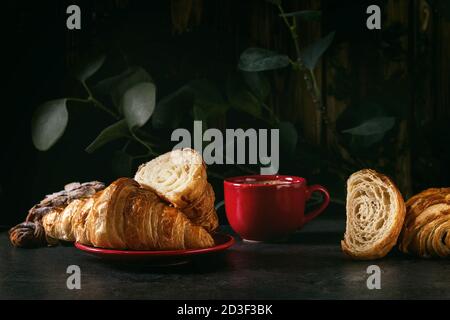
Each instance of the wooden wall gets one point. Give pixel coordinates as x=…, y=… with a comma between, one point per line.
x=425, y=68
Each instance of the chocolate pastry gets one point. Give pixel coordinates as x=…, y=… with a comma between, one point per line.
x=28, y=235
x=31, y=232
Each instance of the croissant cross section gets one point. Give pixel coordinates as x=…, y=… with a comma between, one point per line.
x=375, y=214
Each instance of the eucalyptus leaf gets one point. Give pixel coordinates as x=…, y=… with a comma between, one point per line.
x=288, y=137
x=374, y=126
x=170, y=110
x=90, y=68
x=258, y=84
x=258, y=59
x=122, y=164
x=49, y=123
x=209, y=102
x=138, y=104
x=116, y=86
x=307, y=15
x=242, y=99
x=207, y=112
x=127, y=78
x=312, y=53
x=113, y=132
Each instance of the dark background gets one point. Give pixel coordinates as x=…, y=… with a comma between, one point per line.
x=400, y=71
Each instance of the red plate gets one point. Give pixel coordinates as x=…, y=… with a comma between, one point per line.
x=162, y=257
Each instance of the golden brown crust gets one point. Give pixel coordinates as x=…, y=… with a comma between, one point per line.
x=426, y=232
x=179, y=177
x=126, y=216
x=202, y=212
x=378, y=236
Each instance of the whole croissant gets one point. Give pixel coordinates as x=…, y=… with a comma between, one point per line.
x=125, y=215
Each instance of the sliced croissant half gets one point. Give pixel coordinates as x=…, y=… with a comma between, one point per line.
x=180, y=178
x=375, y=215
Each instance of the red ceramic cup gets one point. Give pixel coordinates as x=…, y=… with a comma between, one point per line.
x=269, y=207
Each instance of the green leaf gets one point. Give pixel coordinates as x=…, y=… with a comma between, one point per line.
x=90, y=68
x=307, y=15
x=258, y=84
x=355, y=115
x=115, y=131
x=206, y=92
x=49, y=123
x=138, y=104
x=171, y=109
x=375, y=126
x=126, y=79
x=257, y=59
x=288, y=137
x=116, y=86
x=121, y=164
x=209, y=102
x=312, y=53
x=242, y=99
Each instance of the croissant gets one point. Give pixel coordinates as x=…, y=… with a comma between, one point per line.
x=180, y=178
x=426, y=231
x=375, y=215
x=125, y=215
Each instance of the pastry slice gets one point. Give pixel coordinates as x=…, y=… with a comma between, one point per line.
x=180, y=178
x=375, y=215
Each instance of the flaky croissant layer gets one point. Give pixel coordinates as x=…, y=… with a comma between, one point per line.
x=126, y=215
x=426, y=232
x=180, y=178
x=375, y=214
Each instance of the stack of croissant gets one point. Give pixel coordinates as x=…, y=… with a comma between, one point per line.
x=168, y=206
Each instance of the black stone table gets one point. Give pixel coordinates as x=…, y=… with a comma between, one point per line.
x=309, y=266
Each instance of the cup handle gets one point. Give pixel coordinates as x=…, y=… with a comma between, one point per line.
x=309, y=191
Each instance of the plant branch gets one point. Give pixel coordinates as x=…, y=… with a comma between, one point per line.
x=89, y=92
x=272, y=114
x=80, y=100
x=144, y=143
x=124, y=148
x=102, y=107
x=308, y=75
x=95, y=102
